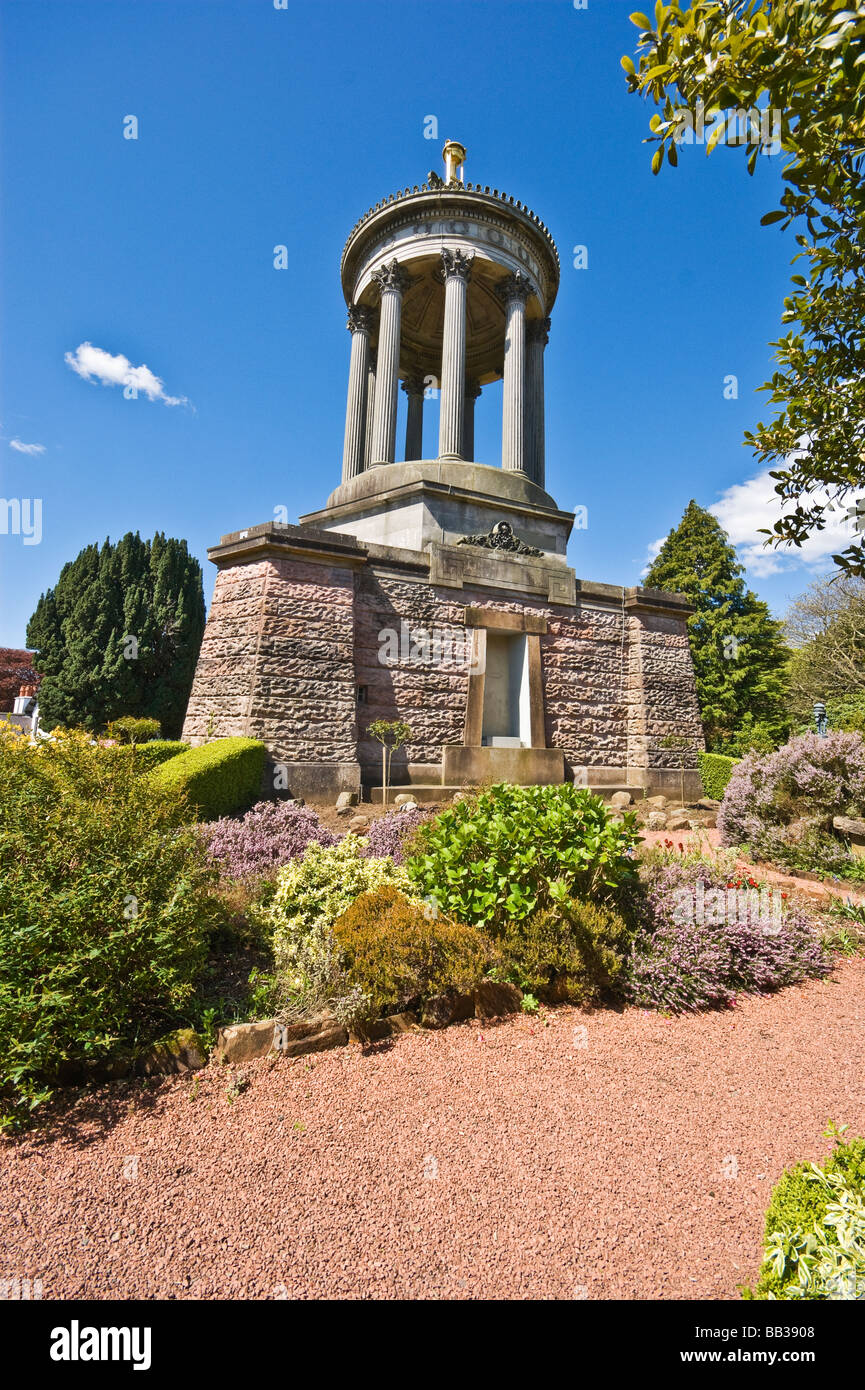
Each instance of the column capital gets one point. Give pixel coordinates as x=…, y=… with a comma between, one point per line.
x=413, y=385
x=515, y=288
x=392, y=276
x=538, y=331
x=473, y=388
x=359, y=319
x=457, y=263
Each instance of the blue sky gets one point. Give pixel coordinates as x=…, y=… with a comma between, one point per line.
x=260, y=126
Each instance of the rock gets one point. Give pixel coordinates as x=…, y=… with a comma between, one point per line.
x=707, y=804
x=379, y=1028
x=346, y=800
x=656, y=820
x=410, y=805
x=359, y=825
x=620, y=800
x=404, y=799
x=181, y=1051
x=679, y=822
x=241, y=1042
x=493, y=999
x=658, y=802
x=450, y=1007
x=333, y=1036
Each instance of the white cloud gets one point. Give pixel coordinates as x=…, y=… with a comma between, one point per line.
x=26, y=448
x=746, y=507
x=94, y=364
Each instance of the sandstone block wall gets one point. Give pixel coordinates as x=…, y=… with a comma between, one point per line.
x=293, y=654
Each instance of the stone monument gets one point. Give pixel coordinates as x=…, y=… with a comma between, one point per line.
x=436, y=590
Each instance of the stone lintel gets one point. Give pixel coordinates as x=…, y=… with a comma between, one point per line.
x=508, y=622
x=455, y=566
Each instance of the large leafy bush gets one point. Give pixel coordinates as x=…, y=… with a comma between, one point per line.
x=104, y=912
x=398, y=952
x=495, y=858
x=576, y=951
x=215, y=778
x=703, y=940
x=815, y=1230
x=269, y=835
x=782, y=804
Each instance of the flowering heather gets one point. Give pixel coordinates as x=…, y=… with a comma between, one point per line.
x=389, y=834
x=681, y=963
x=782, y=803
x=270, y=834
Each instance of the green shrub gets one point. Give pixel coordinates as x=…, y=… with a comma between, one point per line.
x=128, y=729
x=514, y=850
x=576, y=950
x=396, y=951
x=715, y=771
x=216, y=778
x=311, y=893
x=104, y=913
x=815, y=1229
x=147, y=756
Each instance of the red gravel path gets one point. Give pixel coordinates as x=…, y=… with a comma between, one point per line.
x=636, y=1166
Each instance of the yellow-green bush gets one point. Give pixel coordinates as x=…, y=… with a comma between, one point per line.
x=397, y=951
x=574, y=950
x=715, y=770
x=216, y=778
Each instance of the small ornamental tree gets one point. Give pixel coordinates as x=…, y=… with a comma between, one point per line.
x=391, y=735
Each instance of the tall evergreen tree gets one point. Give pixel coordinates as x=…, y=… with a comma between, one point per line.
x=120, y=634
x=740, y=659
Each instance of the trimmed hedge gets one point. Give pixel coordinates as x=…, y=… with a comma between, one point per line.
x=217, y=778
x=147, y=756
x=715, y=770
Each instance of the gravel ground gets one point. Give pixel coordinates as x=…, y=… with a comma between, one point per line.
x=518, y=1160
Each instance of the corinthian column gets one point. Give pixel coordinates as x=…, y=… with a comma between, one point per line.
x=456, y=271
x=391, y=280
x=513, y=292
x=359, y=324
x=413, y=387
x=538, y=332
x=473, y=390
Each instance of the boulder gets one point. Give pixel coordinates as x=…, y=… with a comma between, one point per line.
x=359, y=825
x=404, y=799
x=658, y=802
x=707, y=804
x=331, y=1036
x=410, y=805
x=679, y=820
x=620, y=801
x=345, y=801
x=450, y=1007
x=181, y=1051
x=493, y=999
x=656, y=820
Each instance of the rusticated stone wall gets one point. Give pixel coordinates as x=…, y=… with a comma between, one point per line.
x=277, y=660
x=292, y=641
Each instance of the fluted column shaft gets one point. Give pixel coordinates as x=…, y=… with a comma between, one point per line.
x=473, y=390
x=391, y=281
x=456, y=270
x=359, y=324
x=370, y=407
x=413, y=387
x=514, y=292
x=538, y=331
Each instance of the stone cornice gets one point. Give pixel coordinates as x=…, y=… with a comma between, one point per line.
x=489, y=205
x=270, y=538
